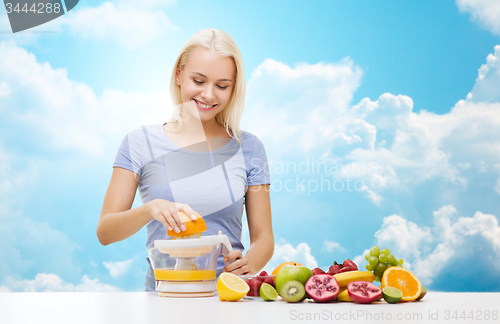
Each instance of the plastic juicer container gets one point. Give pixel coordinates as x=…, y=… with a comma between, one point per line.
x=187, y=267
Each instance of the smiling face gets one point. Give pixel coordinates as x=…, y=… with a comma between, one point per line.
x=206, y=82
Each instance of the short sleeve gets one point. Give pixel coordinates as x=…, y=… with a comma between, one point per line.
x=129, y=155
x=258, y=167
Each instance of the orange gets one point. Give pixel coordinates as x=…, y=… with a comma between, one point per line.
x=291, y=263
x=404, y=280
x=192, y=227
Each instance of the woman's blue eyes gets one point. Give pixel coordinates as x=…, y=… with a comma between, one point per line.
x=201, y=82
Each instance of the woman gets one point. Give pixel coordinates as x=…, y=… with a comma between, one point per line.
x=198, y=161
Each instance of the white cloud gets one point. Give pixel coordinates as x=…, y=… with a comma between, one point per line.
x=307, y=113
x=118, y=268
x=484, y=12
x=286, y=252
x=28, y=244
x=360, y=260
x=406, y=235
x=5, y=90
x=129, y=23
x=488, y=80
x=451, y=243
x=497, y=185
x=25, y=241
x=331, y=246
x=59, y=114
x=68, y=114
x=303, y=106
x=53, y=283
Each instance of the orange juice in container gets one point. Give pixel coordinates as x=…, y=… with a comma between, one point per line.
x=186, y=265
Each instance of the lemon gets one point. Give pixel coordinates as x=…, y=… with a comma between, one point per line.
x=231, y=287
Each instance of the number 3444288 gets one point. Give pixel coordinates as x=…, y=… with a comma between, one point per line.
x=40, y=8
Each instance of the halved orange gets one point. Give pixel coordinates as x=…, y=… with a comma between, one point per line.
x=192, y=227
x=291, y=263
x=404, y=280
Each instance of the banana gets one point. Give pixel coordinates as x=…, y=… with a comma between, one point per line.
x=345, y=278
x=344, y=295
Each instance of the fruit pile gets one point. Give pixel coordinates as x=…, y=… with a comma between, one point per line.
x=296, y=283
x=379, y=261
x=343, y=282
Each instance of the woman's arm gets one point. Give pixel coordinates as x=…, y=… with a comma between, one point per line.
x=118, y=222
x=258, y=210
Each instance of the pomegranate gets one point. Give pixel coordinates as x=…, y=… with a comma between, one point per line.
x=317, y=271
x=363, y=292
x=322, y=288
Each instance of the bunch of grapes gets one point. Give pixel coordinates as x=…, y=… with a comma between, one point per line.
x=378, y=261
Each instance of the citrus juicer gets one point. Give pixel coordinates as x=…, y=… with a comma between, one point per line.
x=186, y=265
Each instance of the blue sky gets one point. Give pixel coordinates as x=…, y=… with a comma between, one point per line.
x=400, y=100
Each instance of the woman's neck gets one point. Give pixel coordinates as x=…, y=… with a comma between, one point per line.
x=193, y=131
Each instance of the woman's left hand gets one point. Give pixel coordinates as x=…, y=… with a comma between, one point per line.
x=236, y=263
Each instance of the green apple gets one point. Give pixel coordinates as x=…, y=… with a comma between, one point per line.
x=288, y=272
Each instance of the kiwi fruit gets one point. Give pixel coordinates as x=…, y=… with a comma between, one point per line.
x=293, y=291
x=424, y=291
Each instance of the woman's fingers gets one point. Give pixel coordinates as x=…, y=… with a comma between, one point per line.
x=188, y=210
x=233, y=255
x=163, y=220
x=237, y=267
x=171, y=222
x=167, y=213
x=175, y=213
x=235, y=263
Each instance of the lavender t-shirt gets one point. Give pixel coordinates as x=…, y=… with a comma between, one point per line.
x=212, y=183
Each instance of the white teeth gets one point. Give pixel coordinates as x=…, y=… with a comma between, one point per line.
x=203, y=105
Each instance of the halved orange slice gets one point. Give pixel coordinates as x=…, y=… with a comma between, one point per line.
x=404, y=280
x=192, y=227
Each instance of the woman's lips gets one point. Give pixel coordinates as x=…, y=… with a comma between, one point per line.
x=198, y=104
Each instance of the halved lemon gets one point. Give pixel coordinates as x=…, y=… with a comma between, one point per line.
x=404, y=280
x=230, y=287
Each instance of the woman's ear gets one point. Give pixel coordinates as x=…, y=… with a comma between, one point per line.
x=177, y=76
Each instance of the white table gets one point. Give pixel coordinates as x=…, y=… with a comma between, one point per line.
x=142, y=307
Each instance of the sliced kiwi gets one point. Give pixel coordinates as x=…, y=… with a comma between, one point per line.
x=293, y=291
x=422, y=294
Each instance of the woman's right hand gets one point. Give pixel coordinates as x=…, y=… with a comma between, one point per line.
x=167, y=213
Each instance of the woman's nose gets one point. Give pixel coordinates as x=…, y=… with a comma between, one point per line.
x=208, y=94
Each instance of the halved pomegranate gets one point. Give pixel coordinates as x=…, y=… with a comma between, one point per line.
x=322, y=288
x=363, y=292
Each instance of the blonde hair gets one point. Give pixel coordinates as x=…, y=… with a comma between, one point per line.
x=222, y=44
